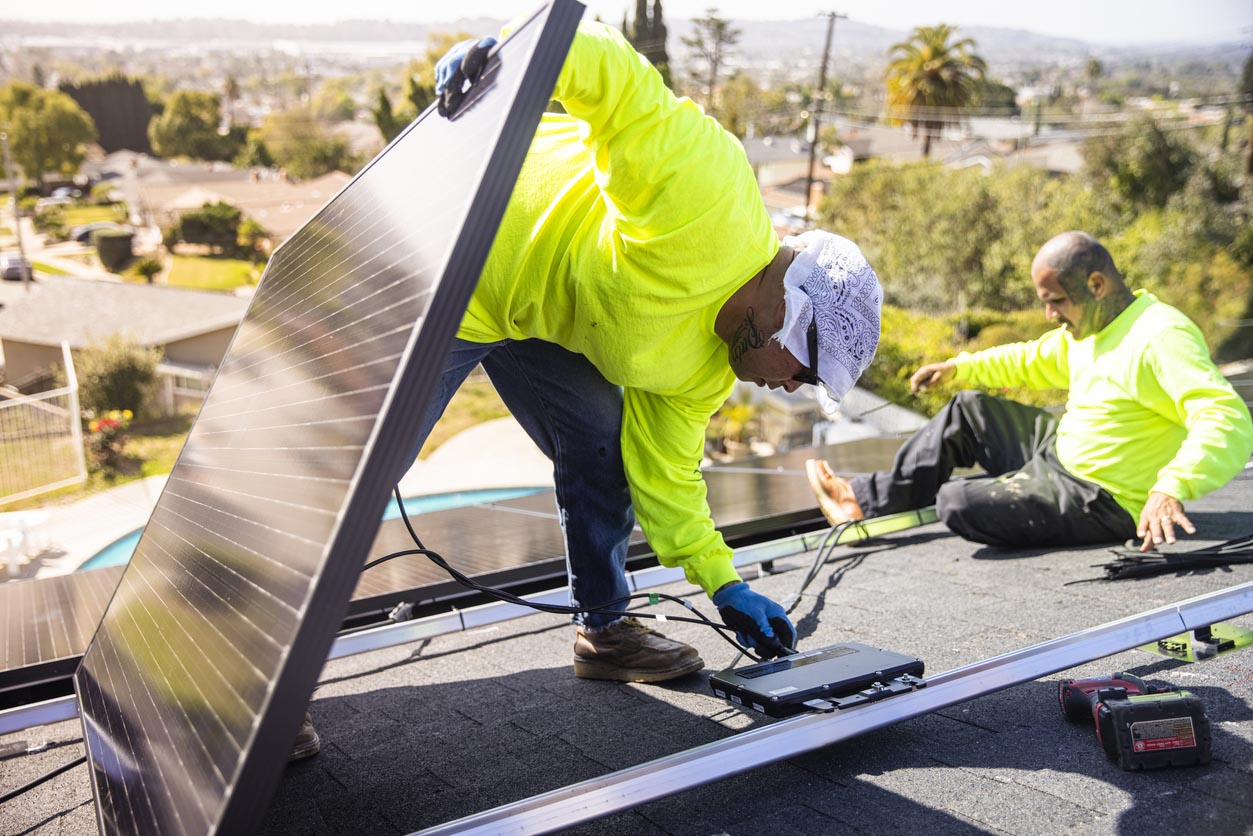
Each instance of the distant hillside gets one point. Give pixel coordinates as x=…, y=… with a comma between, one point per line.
x=857, y=46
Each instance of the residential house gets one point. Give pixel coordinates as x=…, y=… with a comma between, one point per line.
x=192, y=328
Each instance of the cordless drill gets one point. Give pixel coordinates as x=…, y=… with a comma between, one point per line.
x=1140, y=726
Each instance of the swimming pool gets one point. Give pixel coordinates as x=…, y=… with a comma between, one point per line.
x=120, y=550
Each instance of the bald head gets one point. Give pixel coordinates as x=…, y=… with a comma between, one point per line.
x=1078, y=283
x=1075, y=256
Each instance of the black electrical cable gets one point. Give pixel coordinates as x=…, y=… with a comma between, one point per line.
x=1130, y=562
x=12, y=794
x=609, y=608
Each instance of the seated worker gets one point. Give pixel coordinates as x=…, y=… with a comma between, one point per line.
x=634, y=277
x=1149, y=424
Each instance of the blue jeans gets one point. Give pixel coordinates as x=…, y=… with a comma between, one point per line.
x=575, y=416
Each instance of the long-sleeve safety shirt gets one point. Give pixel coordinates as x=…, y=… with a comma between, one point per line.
x=634, y=219
x=1147, y=409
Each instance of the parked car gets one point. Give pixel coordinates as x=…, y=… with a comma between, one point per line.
x=82, y=234
x=67, y=191
x=13, y=267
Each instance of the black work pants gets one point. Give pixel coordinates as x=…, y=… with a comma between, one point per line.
x=1026, y=499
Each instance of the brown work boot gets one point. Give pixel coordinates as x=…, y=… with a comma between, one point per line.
x=307, y=742
x=630, y=652
x=835, y=495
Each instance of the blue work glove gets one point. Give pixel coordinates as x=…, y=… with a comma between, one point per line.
x=451, y=62
x=457, y=72
x=758, y=622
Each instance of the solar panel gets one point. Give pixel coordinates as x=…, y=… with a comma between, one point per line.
x=194, y=685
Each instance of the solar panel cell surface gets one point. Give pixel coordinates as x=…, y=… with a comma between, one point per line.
x=193, y=686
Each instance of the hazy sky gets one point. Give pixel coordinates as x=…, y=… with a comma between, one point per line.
x=1108, y=21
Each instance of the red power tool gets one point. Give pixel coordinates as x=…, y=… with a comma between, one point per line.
x=1140, y=726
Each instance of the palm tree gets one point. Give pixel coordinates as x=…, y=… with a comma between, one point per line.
x=927, y=76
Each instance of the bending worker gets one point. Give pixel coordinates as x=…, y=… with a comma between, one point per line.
x=635, y=276
x=1150, y=423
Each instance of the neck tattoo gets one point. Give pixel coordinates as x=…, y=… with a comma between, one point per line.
x=747, y=336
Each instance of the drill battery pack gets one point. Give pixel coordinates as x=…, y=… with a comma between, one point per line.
x=1147, y=731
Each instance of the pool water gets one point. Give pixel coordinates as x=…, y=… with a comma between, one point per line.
x=119, y=551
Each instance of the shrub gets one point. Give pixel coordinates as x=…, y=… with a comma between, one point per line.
x=51, y=222
x=116, y=374
x=214, y=224
x=113, y=247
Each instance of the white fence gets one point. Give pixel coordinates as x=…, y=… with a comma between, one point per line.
x=41, y=439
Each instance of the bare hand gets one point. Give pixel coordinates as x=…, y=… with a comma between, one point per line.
x=932, y=375
x=1158, y=520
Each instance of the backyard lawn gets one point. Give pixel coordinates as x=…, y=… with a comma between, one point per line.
x=78, y=215
x=210, y=273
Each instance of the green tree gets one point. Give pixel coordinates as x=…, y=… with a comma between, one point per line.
x=709, y=43
x=647, y=33
x=385, y=118
x=146, y=268
x=1094, y=69
x=332, y=101
x=1142, y=164
x=995, y=98
x=930, y=79
x=303, y=145
x=419, y=88
x=190, y=127
x=254, y=154
x=47, y=130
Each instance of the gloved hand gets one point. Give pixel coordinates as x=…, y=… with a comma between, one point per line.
x=464, y=62
x=758, y=622
x=451, y=62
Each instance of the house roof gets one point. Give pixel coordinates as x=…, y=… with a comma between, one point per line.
x=419, y=734
x=281, y=206
x=83, y=311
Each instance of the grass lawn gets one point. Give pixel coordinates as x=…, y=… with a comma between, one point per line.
x=77, y=215
x=48, y=269
x=209, y=272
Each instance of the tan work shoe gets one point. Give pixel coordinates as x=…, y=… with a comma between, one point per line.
x=630, y=652
x=835, y=495
x=307, y=742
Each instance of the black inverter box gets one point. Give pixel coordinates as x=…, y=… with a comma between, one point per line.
x=840, y=675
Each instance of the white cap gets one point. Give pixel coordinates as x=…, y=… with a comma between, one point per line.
x=830, y=281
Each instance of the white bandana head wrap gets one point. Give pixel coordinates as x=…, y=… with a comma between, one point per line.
x=830, y=280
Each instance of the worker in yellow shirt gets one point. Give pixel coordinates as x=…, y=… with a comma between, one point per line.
x=1149, y=424
x=635, y=276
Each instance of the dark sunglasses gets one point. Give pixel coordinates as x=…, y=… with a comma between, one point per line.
x=811, y=375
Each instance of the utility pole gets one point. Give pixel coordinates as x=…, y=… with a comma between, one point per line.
x=819, y=101
x=17, y=215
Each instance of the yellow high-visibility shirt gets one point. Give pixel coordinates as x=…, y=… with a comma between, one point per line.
x=1147, y=411
x=634, y=219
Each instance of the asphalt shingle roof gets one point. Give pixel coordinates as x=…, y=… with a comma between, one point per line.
x=425, y=733
x=83, y=311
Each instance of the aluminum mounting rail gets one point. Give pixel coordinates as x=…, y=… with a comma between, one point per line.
x=628, y=788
